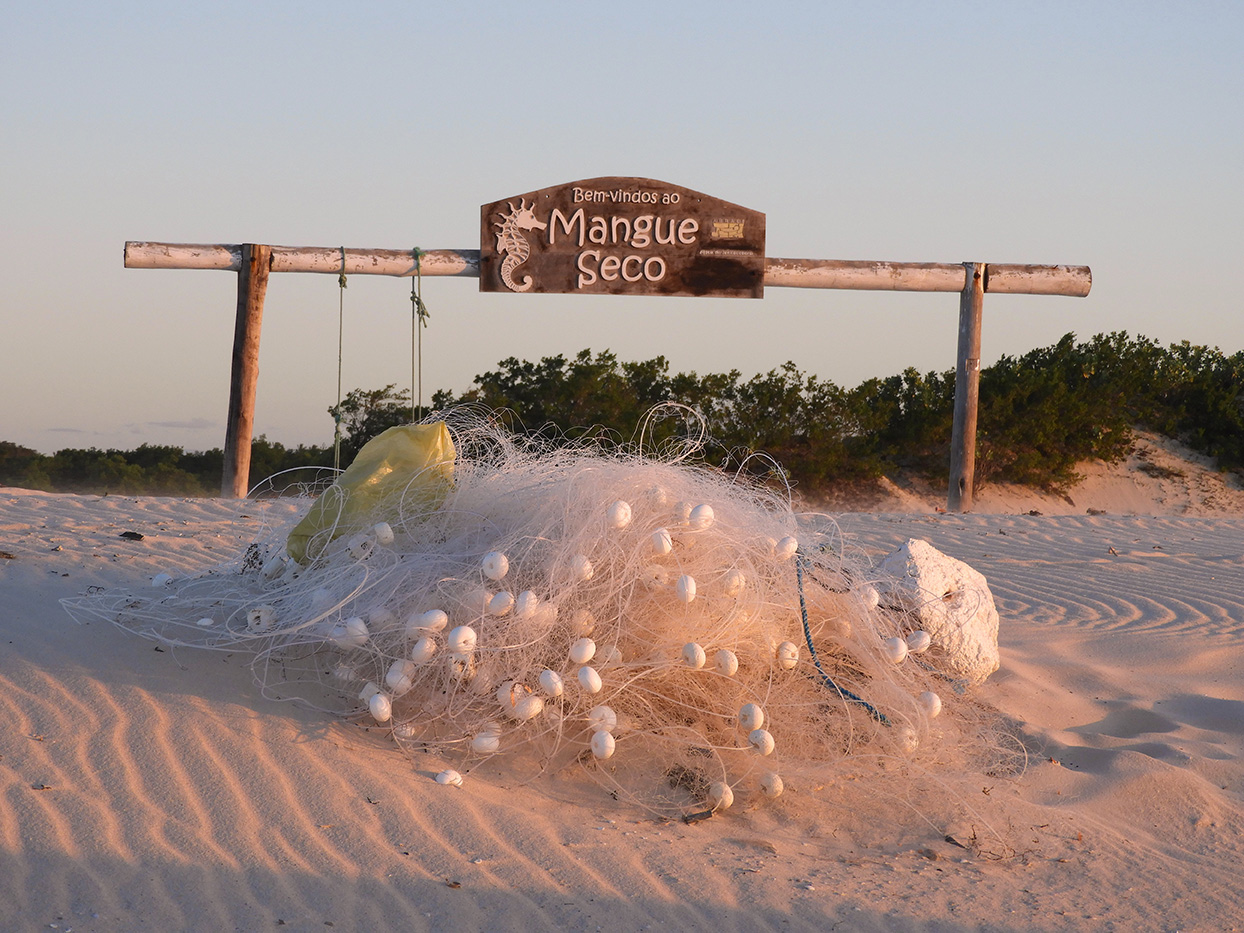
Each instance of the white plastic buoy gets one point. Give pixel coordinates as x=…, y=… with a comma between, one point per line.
x=590, y=680
x=761, y=740
x=460, y=663
x=449, y=776
x=434, y=620
x=733, y=583
x=350, y=633
x=786, y=548
x=384, y=533
x=582, y=623
x=603, y=744
x=423, y=650
x=751, y=717
x=526, y=605
x=787, y=655
x=161, y=579
x=399, y=676
x=895, y=649
x=462, y=639
x=581, y=568
x=369, y=690
x=662, y=541
x=501, y=603
x=720, y=796
x=381, y=707
x=486, y=743
x=726, y=662
x=869, y=596
x=907, y=739
x=360, y=546
x=693, y=655
x=495, y=565
x=931, y=703
x=260, y=619
x=582, y=650
x=771, y=784
x=685, y=588
x=919, y=641
x=380, y=618
x=206, y=621
x=518, y=702
x=619, y=514
x=701, y=517
x=551, y=683
x=602, y=717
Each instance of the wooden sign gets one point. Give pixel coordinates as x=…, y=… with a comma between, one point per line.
x=621, y=236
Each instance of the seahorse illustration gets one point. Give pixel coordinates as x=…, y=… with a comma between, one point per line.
x=511, y=242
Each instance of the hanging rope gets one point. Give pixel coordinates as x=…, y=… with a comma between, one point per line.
x=807, y=636
x=418, y=320
x=341, y=306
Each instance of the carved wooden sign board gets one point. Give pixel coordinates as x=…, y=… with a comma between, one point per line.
x=621, y=236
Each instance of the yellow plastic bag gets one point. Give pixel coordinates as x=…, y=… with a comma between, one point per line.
x=410, y=466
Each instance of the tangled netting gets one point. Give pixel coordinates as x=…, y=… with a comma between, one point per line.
x=678, y=632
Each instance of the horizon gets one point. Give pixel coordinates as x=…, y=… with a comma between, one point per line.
x=894, y=132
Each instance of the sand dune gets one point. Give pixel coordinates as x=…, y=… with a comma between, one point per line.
x=146, y=787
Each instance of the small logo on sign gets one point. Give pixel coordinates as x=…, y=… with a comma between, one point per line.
x=727, y=230
x=512, y=243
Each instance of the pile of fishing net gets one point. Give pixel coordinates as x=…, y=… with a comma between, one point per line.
x=676, y=632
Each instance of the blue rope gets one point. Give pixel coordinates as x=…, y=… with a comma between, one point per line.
x=807, y=637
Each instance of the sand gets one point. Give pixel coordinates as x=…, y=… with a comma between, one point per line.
x=147, y=788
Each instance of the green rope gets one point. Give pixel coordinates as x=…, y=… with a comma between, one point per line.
x=341, y=306
x=418, y=316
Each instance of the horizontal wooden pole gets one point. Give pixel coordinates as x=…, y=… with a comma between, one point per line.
x=872, y=276
x=1073, y=281
x=324, y=259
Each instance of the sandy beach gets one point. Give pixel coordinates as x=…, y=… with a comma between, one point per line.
x=144, y=787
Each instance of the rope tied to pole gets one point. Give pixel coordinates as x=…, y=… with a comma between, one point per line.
x=341, y=305
x=419, y=315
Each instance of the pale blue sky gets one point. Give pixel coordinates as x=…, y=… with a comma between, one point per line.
x=1105, y=134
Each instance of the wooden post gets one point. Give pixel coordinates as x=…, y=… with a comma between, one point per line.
x=244, y=376
x=967, y=390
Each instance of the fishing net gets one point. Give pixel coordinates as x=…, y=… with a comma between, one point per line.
x=676, y=632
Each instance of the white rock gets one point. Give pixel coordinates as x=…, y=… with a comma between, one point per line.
x=951, y=601
x=384, y=533
x=449, y=776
